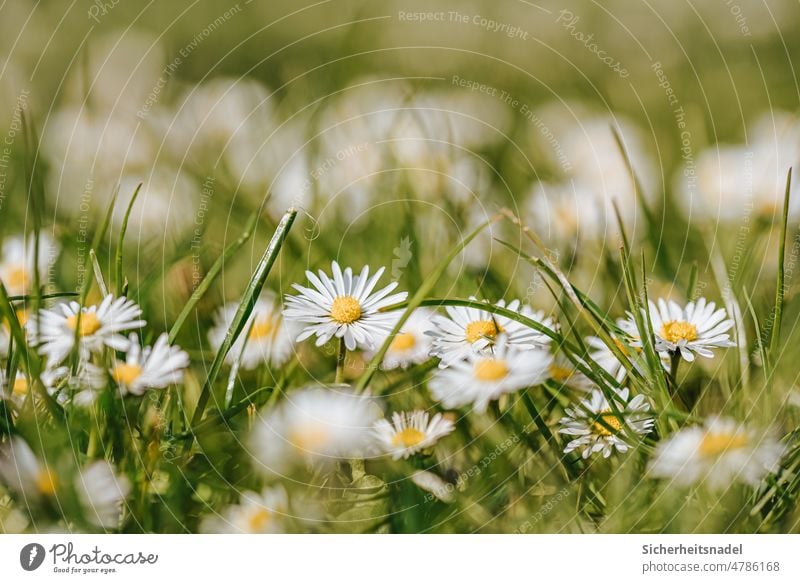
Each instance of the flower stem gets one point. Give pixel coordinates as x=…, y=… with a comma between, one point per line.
x=341, y=357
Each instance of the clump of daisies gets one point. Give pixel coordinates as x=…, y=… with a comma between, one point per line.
x=596, y=427
x=344, y=306
x=719, y=452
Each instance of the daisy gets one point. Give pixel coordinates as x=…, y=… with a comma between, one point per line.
x=411, y=345
x=22, y=471
x=17, y=264
x=469, y=330
x=691, y=330
x=597, y=427
x=263, y=513
x=312, y=425
x=18, y=390
x=154, y=367
x=484, y=377
x=87, y=384
x=102, y=493
x=409, y=433
x=344, y=307
x=100, y=326
x=601, y=354
x=718, y=453
x=270, y=340
x=565, y=373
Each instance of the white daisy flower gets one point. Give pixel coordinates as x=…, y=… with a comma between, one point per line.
x=598, y=429
x=17, y=263
x=154, y=367
x=22, y=472
x=312, y=425
x=470, y=330
x=631, y=348
x=565, y=373
x=102, y=493
x=691, y=330
x=87, y=384
x=717, y=453
x=409, y=433
x=344, y=307
x=100, y=326
x=18, y=390
x=484, y=377
x=411, y=345
x=263, y=513
x=271, y=339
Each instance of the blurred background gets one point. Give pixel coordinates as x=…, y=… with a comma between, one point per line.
x=388, y=120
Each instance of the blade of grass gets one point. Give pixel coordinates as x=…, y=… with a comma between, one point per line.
x=245, y=308
x=121, y=241
x=775, y=334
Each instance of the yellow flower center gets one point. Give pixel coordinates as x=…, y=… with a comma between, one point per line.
x=482, y=329
x=676, y=331
x=22, y=317
x=610, y=420
x=491, y=369
x=714, y=444
x=20, y=386
x=126, y=374
x=403, y=342
x=408, y=437
x=88, y=326
x=46, y=482
x=309, y=438
x=264, y=327
x=560, y=373
x=345, y=310
x=259, y=519
x=17, y=278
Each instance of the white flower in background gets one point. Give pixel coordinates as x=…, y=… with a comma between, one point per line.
x=411, y=345
x=87, y=384
x=17, y=262
x=564, y=372
x=18, y=390
x=717, y=454
x=23, y=473
x=271, y=338
x=99, y=326
x=263, y=513
x=102, y=493
x=344, y=307
x=312, y=425
x=469, y=330
x=155, y=367
x=730, y=182
x=597, y=428
x=631, y=348
x=580, y=207
x=693, y=329
x=434, y=485
x=410, y=433
x=486, y=376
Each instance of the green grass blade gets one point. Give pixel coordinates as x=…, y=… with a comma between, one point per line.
x=775, y=334
x=121, y=241
x=246, y=305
